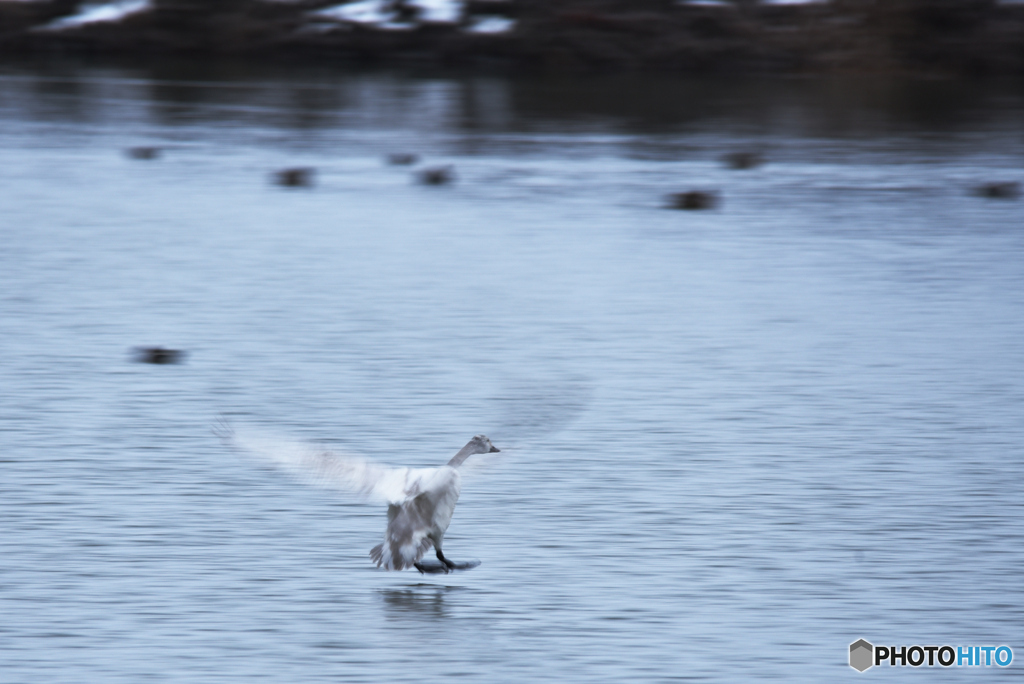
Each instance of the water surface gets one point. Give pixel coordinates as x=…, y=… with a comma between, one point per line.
x=733, y=441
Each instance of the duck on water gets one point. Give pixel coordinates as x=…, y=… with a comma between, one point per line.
x=420, y=501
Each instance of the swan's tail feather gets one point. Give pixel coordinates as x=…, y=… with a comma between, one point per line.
x=399, y=556
x=377, y=554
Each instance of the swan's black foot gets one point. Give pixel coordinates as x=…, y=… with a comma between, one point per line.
x=431, y=568
x=448, y=565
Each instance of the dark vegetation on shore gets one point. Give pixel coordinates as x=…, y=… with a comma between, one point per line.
x=847, y=36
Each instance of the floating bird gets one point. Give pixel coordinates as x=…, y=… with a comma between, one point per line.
x=158, y=355
x=693, y=200
x=295, y=178
x=1004, y=190
x=420, y=501
x=741, y=161
x=437, y=175
x=143, y=153
x=402, y=159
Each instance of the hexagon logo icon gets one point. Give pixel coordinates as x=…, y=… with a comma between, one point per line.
x=862, y=655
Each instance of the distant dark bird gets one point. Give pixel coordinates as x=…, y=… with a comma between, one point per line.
x=742, y=161
x=437, y=175
x=295, y=178
x=695, y=199
x=143, y=152
x=158, y=355
x=1005, y=190
x=402, y=159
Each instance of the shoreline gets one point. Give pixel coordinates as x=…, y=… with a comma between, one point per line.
x=919, y=37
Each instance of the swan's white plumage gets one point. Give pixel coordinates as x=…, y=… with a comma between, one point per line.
x=337, y=469
x=421, y=501
x=419, y=522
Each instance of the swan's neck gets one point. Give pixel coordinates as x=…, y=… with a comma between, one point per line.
x=464, y=453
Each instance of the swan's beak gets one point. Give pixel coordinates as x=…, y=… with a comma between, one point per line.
x=494, y=449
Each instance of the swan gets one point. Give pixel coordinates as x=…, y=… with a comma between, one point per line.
x=420, y=501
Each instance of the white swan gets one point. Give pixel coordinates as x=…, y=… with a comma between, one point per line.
x=421, y=501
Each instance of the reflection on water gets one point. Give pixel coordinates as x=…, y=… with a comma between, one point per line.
x=178, y=92
x=422, y=602
x=740, y=439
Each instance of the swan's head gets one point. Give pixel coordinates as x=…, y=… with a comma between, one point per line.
x=482, y=445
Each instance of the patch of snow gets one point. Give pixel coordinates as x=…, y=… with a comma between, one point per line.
x=94, y=13
x=726, y=3
x=364, y=12
x=442, y=11
x=491, y=25
x=383, y=13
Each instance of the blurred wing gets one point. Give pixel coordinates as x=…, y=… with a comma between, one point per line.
x=331, y=468
x=530, y=410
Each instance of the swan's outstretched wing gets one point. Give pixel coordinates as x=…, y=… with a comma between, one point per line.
x=332, y=468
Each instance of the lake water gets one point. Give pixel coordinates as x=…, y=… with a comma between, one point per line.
x=733, y=441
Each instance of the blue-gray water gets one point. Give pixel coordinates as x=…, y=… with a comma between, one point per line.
x=734, y=441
